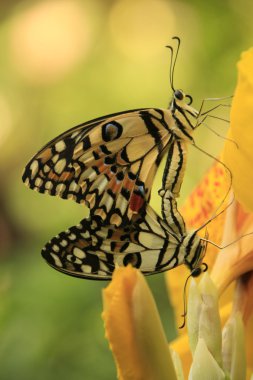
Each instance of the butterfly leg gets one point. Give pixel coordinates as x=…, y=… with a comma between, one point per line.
x=213, y=100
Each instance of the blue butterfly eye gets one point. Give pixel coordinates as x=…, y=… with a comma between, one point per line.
x=111, y=131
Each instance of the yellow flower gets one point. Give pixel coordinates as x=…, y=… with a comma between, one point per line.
x=138, y=342
x=234, y=263
x=134, y=329
x=131, y=320
x=241, y=131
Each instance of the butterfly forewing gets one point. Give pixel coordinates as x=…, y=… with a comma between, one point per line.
x=108, y=164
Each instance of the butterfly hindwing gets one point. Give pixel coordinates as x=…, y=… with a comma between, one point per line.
x=108, y=164
x=93, y=252
x=73, y=252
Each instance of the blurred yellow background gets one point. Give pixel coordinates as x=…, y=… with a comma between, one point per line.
x=63, y=62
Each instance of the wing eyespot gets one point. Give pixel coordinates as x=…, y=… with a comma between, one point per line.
x=111, y=131
x=132, y=258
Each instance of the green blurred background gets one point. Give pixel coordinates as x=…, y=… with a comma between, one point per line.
x=63, y=62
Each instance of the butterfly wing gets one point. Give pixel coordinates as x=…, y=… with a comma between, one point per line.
x=93, y=252
x=108, y=163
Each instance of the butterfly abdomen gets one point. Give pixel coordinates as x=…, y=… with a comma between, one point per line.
x=193, y=250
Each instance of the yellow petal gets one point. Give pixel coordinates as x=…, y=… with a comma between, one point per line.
x=243, y=302
x=204, y=365
x=244, y=296
x=249, y=345
x=193, y=313
x=204, y=200
x=238, y=257
x=233, y=347
x=240, y=160
x=209, y=318
x=181, y=344
x=177, y=364
x=134, y=329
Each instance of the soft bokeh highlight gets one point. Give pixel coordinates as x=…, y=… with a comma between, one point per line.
x=46, y=318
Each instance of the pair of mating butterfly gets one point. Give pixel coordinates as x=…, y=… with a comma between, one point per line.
x=109, y=164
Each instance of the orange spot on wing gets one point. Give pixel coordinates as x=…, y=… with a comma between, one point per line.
x=129, y=184
x=115, y=185
x=66, y=176
x=52, y=175
x=82, y=243
x=45, y=155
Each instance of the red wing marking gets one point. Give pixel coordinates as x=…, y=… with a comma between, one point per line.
x=136, y=202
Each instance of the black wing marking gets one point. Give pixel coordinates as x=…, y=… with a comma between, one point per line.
x=93, y=252
x=108, y=164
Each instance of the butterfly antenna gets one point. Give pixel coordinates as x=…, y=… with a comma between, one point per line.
x=171, y=66
x=175, y=60
x=173, y=63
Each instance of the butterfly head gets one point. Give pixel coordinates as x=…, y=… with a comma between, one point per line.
x=181, y=101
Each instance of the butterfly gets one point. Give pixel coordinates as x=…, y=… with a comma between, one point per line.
x=149, y=243
x=109, y=164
